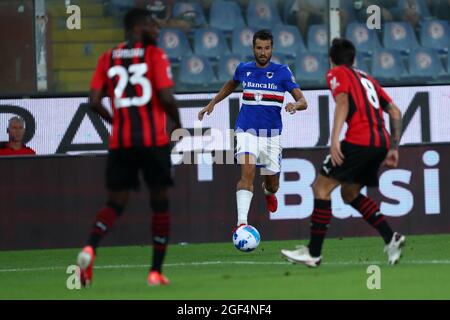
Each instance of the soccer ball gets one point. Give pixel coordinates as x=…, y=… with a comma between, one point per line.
x=246, y=238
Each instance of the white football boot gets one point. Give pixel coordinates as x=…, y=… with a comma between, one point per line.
x=301, y=255
x=394, y=248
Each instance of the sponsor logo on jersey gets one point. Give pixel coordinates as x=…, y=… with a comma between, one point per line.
x=249, y=84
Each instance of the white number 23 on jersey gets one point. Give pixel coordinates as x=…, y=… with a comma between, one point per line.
x=135, y=75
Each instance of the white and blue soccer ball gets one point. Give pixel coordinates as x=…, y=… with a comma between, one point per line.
x=246, y=238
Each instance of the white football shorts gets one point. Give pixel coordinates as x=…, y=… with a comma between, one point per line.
x=267, y=151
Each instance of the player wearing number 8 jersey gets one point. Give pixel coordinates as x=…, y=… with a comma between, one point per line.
x=136, y=76
x=354, y=162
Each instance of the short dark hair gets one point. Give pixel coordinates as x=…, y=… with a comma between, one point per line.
x=263, y=35
x=342, y=51
x=134, y=17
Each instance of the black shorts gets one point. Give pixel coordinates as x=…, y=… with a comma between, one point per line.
x=124, y=165
x=360, y=165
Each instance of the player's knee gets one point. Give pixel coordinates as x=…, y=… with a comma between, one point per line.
x=159, y=205
x=321, y=193
x=348, y=195
x=117, y=207
x=248, y=176
x=118, y=199
x=272, y=187
x=246, y=184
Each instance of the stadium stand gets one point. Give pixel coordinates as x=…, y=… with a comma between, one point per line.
x=310, y=69
x=318, y=38
x=226, y=16
x=387, y=65
x=75, y=53
x=447, y=64
x=192, y=11
x=424, y=63
x=288, y=17
x=278, y=59
x=242, y=40
x=175, y=44
x=228, y=32
x=412, y=10
x=210, y=42
x=365, y=40
x=435, y=34
x=196, y=72
x=287, y=40
x=360, y=62
x=262, y=14
x=227, y=65
x=399, y=36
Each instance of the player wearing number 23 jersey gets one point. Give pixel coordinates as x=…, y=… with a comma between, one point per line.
x=130, y=74
x=136, y=76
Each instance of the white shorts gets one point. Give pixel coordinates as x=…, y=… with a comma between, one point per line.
x=267, y=151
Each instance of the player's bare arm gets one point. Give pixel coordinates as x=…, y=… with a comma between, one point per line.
x=299, y=104
x=170, y=105
x=395, y=121
x=224, y=92
x=95, y=102
x=340, y=114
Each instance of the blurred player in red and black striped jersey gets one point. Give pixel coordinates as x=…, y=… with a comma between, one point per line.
x=136, y=76
x=354, y=162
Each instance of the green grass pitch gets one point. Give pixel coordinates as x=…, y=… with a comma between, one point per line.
x=219, y=271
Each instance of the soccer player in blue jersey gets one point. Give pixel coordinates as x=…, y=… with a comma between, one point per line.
x=258, y=126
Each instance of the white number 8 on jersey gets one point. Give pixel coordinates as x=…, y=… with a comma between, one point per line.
x=372, y=95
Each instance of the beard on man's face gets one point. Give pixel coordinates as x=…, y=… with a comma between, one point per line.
x=263, y=60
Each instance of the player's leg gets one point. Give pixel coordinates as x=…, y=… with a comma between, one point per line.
x=246, y=155
x=159, y=202
x=107, y=216
x=368, y=208
x=370, y=211
x=244, y=187
x=121, y=176
x=104, y=220
x=270, y=186
x=156, y=167
x=311, y=255
x=321, y=215
x=270, y=156
x=394, y=240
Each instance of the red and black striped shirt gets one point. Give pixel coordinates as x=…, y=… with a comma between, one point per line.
x=367, y=100
x=131, y=75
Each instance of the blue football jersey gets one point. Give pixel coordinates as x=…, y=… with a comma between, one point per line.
x=263, y=96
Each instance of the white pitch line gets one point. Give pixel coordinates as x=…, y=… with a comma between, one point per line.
x=206, y=263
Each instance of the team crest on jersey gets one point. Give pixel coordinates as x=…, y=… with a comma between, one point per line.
x=248, y=73
x=258, y=97
x=269, y=75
